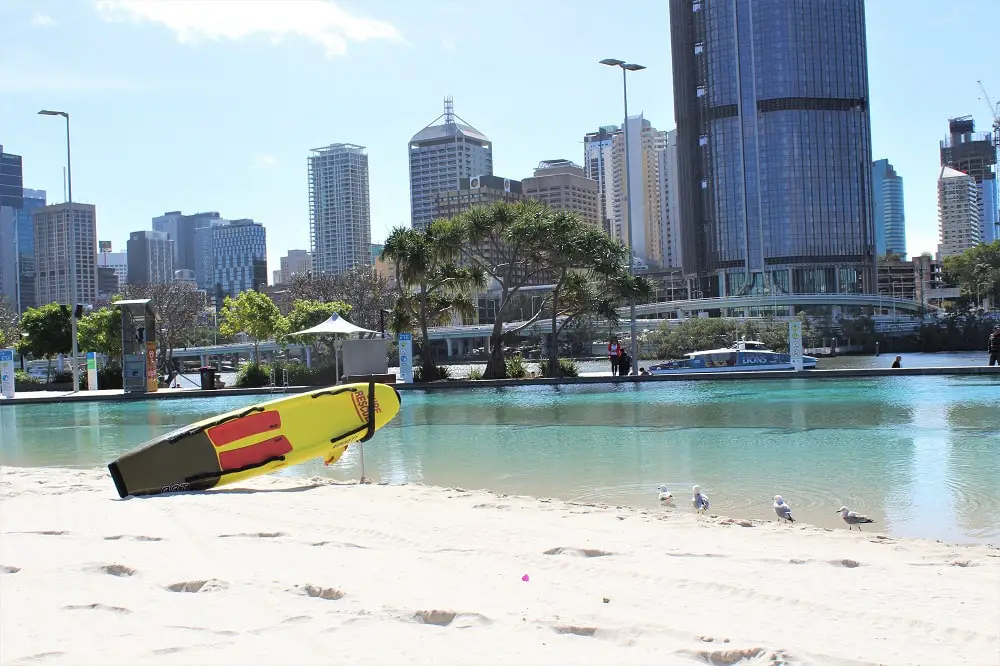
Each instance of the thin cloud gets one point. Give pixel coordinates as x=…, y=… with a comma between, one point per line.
x=264, y=162
x=193, y=20
x=40, y=20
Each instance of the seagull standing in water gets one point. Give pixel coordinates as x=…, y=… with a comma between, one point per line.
x=665, y=495
x=852, y=518
x=782, y=509
x=699, y=501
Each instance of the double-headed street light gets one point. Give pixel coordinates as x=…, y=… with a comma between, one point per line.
x=72, y=249
x=626, y=68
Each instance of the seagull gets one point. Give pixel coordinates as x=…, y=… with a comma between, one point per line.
x=699, y=501
x=852, y=518
x=782, y=509
x=665, y=495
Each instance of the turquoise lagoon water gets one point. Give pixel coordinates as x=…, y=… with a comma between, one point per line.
x=921, y=455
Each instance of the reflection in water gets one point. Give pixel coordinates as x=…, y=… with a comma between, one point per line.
x=919, y=454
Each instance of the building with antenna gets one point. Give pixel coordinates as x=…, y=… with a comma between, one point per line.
x=441, y=157
x=973, y=153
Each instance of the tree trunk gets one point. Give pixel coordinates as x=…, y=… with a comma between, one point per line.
x=428, y=366
x=496, y=366
x=554, y=335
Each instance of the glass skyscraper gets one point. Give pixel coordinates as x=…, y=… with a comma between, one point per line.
x=890, y=222
x=774, y=145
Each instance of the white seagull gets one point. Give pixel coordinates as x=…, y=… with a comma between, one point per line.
x=665, y=495
x=782, y=509
x=699, y=501
x=852, y=518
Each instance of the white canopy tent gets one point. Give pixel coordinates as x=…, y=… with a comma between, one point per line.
x=337, y=325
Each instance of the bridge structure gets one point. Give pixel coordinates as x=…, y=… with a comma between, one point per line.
x=461, y=340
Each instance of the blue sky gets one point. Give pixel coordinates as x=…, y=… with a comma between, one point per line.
x=214, y=105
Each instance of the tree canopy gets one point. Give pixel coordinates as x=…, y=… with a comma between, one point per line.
x=101, y=331
x=9, y=330
x=179, y=307
x=432, y=287
x=362, y=288
x=47, y=330
x=252, y=313
x=976, y=271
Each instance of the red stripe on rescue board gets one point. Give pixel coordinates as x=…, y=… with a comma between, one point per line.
x=254, y=453
x=253, y=424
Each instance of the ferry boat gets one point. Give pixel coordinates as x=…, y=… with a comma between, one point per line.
x=741, y=356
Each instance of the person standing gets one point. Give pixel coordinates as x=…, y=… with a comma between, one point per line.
x=993, y=345
x=898, y=363
x=614, y=354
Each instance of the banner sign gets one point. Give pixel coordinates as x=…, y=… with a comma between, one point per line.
x=91, y=371
x=406, y=357
x=7, y=373
x=795, y=343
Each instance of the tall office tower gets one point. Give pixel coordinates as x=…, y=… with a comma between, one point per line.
x=240, y=253
x=959, y=225
x=204, y=256
x=340, y=226
x=441, y=156
x=11, y=201
x=774, y=145
x=597, y=166
x=24, y=222
x=973, y=153
x=181, y=229
x=890, y=222
x=52, y=254
x=645, y=142
x=296, y=262
x=562, y=185
x=670, y=216
x=150, y=257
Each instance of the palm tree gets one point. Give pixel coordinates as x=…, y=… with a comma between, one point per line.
x=431, y=285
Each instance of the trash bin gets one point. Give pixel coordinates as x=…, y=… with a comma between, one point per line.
x=207, y=378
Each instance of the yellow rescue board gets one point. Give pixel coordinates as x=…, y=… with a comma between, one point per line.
x=256, y=440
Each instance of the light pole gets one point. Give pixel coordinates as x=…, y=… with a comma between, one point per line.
x=626, y=68
x=72, y=248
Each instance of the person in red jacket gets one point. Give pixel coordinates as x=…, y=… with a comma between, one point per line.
x=614, y=354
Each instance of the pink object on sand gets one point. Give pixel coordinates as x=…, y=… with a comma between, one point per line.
x=525, y=578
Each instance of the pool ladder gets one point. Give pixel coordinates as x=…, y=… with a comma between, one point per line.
x=284, y=380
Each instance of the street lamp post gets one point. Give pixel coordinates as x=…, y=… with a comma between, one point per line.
x=72, y=250
x=626, y=68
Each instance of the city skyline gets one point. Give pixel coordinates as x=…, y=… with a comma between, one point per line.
x=419, y=56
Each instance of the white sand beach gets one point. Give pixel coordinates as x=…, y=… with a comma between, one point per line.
x=286, y=570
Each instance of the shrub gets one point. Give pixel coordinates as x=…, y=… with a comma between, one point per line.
x=567, y=368
x=108, y=378
x=475, y=373
x=253, y=375
x=440, y=372
x=22, y=377
x=516, y=368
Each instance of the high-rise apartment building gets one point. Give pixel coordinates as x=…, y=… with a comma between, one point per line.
x=959, y=225
x=181, y=228
x=670, y=214
x=774, y=145
x=11, y=201
x=476, y=191
x=973, y=153
x=441, y=156
x=296, y=262
x=52, y=254
x=645, y=143
x=240, y=258
x=150, y=257
x=887, y=198
x=340, y=226
x=562, y=185
x=597, y=166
